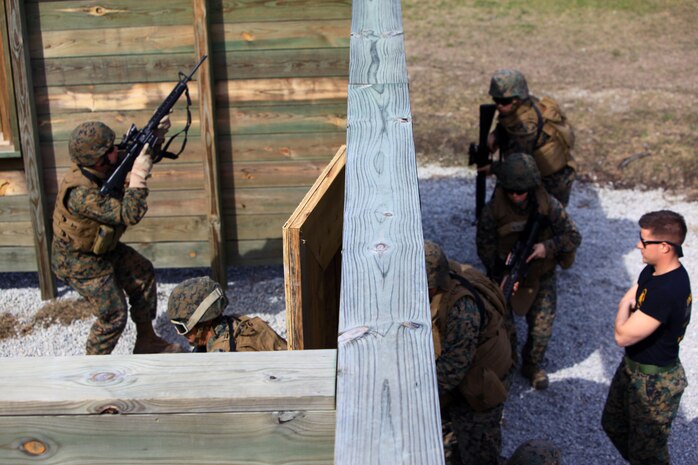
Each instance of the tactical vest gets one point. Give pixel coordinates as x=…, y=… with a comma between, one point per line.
x=249, y=335
x=482, y=386
x=554, y=138
x=83, y=233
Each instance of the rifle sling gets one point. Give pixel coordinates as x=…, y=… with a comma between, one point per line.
x=173, y=156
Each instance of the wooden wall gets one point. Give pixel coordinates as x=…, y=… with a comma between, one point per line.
x=279, y=81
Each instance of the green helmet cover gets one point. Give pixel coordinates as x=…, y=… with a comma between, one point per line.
x=189, y=294
x=519, y=172
x=536, y=452
x=437, y=266
x=507, y=83
x=89, y=142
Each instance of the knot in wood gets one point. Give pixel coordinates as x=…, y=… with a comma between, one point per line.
x=411, y=325
x=103, y=377
x=381, y=249
x=98, y=11
x=33, y=447
x=109, y=410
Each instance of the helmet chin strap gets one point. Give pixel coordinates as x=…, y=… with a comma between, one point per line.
x=203, y=306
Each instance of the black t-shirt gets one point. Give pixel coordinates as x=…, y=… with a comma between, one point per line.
x=666, y=298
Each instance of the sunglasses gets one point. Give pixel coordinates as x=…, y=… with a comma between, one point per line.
x=503, y=100
x=679, y=250
x=515, y=191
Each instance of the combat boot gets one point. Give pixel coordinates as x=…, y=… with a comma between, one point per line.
x=155, y=346
x=536, y=375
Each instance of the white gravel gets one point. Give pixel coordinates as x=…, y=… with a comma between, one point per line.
x=582, y=356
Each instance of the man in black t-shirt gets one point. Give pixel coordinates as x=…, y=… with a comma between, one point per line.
x=650, y=323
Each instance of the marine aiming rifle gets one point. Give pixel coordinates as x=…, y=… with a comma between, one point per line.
x=479, y=155
x=516, y=266
x=134, y=140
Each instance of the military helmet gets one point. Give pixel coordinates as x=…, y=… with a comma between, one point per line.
x=89, y=142
x=508, y=83
x=519, y=173
x=437, y=266
x=536, y=452
x=194, y=301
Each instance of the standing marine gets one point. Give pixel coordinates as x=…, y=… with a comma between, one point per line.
x=518, y=199
x=86, y=250
x=527, y=124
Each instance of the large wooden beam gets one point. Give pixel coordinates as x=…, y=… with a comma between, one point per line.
x=207, y=108
x=387, y=403
x=29, y=142
x=213, y=408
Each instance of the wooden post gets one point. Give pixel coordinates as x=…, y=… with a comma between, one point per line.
x=387, y=402
x=29, y=142
x=207, y=106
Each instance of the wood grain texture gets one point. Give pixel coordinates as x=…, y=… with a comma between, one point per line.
x=169, y=383
x=230, y=11
x=208, y=139
x=312, y=237
x=298, y=437
x=387, y=402
x=29, y=142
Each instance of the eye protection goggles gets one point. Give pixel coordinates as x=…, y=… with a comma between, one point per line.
x=503, y=100
x=184, y=327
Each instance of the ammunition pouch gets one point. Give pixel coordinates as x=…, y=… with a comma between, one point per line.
x=107, y=238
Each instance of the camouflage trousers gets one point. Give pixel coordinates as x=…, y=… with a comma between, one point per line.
x=639, y=412
x=559, y=184
x=470, y=437
x=540, y=320
x=131, y=274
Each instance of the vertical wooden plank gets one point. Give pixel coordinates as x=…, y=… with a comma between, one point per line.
x=312, y=239
x=207, y=108
x=387, y=402
x=29, y=142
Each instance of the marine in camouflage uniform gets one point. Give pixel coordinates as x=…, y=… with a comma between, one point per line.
x=473, y=358
x=517, y=197
x=527, y=124
x=195, y=308
x=535, y=452
x=86, y=252
x=651, y=321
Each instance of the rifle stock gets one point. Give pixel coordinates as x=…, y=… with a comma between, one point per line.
x=479, y=155
x=134, y=140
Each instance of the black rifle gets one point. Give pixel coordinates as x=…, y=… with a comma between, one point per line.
x=479, y=155
x=134, y=140
x=516, y=267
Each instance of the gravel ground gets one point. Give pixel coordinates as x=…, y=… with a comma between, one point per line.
x=582, y=356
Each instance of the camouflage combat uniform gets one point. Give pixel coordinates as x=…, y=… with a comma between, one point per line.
x=643, y=398
x=560, y=237
x=473, y=361
x=538, y=127
x=249, y=335
x=103, y=279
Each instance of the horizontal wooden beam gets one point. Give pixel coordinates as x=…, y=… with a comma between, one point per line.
x=168, y=383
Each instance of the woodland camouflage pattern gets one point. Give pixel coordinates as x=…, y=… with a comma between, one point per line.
x=639, y=412
x=103, y=279
x=535, y=452
x=187, y=295
x=508, y=83
x=437, y=266
x=89, y=142
x=519, y=172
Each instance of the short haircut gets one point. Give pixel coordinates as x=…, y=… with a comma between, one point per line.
x=666, y=225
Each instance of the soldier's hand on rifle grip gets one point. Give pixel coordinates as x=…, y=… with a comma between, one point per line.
x=538, y=251
x=163, y=126
x=492, y=142
x=142, y=167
